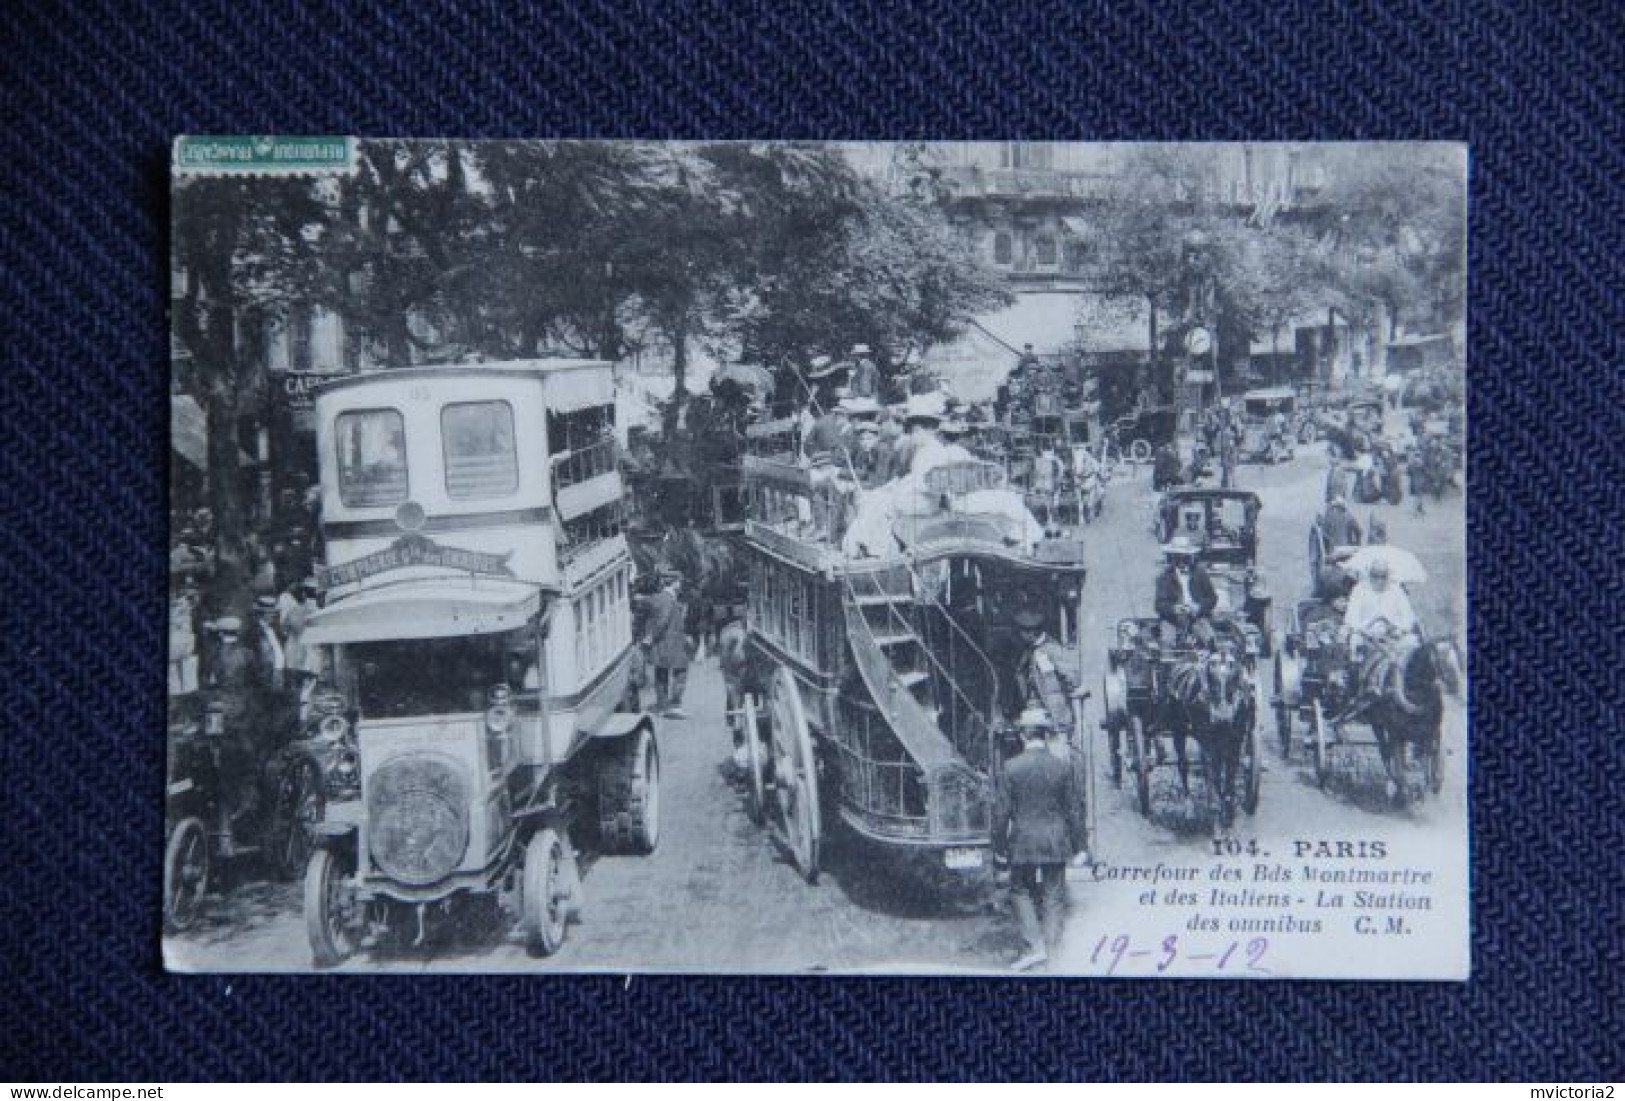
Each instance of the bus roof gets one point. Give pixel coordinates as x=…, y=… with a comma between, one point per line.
x=426, y=608
x=512, y=368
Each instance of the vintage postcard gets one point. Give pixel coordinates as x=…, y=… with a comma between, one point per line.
x=928, y=558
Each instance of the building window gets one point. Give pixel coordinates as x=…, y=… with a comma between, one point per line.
x=372, y=457
x=1026, y=154
x=299, y=339
x=1003, y=247
x=481, y=460
x=1044, y=251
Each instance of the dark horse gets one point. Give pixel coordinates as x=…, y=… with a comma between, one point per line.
x=1212, y=701
x=1402, y=697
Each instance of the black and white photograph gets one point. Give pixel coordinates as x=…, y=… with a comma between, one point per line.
x=928, y=558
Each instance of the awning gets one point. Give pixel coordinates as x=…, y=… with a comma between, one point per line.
x=579, y=386
x=189, y=432
x=1077, y=227
x=425, y=609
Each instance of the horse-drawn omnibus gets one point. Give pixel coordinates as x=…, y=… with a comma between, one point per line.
x=477, y=618
x=881, y=676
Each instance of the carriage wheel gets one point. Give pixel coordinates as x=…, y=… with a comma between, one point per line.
x=1142, y=763
x=1318, y=731
x=186, y=874
x=753, y=750
x=795, y=774
x=1254, y=767
x=301, y=805
x=1283, y=715
x=1140, y=451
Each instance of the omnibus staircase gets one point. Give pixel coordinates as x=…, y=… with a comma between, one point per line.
x=901, y=672
x=905, y=678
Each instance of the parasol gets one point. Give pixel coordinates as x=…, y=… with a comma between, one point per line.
x=1403, y=566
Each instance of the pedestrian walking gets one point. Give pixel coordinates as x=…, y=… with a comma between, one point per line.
x=666, y=639
x=183, y=648
x=301, y=663
x=1039, y=826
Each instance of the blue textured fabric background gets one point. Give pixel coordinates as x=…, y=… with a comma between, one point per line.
x=93, y=94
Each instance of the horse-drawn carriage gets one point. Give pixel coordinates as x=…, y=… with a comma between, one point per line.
x=1223, y=525
x=877, y=685
x=1435, y=461
x=1331, y=681
x=1155, y=694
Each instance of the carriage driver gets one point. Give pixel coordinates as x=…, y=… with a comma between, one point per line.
x=1185, y=596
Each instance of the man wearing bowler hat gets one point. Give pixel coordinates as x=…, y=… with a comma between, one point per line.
x=1038, y=826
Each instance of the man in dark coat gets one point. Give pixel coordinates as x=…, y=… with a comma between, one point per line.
x=1038, y=823
x=665, y=637
x=1185, y=596
x=1338, y=526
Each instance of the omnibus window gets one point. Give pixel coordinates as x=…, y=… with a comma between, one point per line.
x=481, y=460
x=401, y=679
x=372, y=457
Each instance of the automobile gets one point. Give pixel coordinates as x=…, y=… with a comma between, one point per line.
x=1259, y=440
x=230, y=799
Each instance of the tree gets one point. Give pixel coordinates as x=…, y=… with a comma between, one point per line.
x=403, y=247
x=1395, y=229
x=1155, y=222
x=837, y=260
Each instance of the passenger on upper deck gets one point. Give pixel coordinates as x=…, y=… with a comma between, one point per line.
x=865, y=373
x=923, y=447
x=830, y=434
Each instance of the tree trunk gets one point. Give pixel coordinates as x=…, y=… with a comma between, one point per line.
x=679, y=373
x=397, y=341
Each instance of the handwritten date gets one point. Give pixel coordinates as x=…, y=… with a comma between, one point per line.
x=1123, y=952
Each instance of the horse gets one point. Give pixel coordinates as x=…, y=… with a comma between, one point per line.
x=733, y=653
x=1212, y=700
x=1401, y=696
